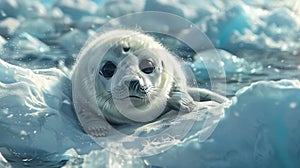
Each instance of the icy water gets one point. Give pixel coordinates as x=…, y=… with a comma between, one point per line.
x=258, y=44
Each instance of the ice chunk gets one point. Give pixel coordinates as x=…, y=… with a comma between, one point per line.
x=39, y=28
x=32, y=9
x=181, y=8
x=14, y=8
x=73, y=41
x=236, y=28
x=116, y=8
x=2, y=159
x=8, y=8
x=2, y=41
x=3, y=162
x=8, y=26
x=77, y=8
x=48, y=3
x=90, y=22
x=228, y=62
x=164, y=6
x=281, y=24
x=99, y=158
x=22, y=45
x=234, y=64
x=282, y=17
x=55, y=13
x=233, y=19
x=192, y=10
x=61, y=22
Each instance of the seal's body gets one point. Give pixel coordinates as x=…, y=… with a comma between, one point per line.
x=126, y=76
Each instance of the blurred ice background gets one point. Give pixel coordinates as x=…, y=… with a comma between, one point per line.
x=259, y=45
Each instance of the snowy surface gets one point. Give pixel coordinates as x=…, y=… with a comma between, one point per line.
x=258, y=45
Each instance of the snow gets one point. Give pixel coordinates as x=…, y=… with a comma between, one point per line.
x=259, y=128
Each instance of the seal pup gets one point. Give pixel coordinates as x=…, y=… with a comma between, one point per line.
x=125, y=76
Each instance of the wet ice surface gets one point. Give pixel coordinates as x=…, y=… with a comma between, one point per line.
x=258, y=44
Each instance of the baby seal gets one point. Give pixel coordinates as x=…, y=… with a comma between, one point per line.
x=125, y=76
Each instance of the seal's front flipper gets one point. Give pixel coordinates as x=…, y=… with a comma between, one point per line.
x=180, y=101
x=200, y=94
x=92, y=123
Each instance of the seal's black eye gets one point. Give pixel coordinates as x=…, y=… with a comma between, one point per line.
x=147, y=66
x=126, y=48
x=108, y=70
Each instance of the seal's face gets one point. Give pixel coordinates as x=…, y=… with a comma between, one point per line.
x=133, y=80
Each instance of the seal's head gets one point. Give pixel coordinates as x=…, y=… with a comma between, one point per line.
x=134, y=79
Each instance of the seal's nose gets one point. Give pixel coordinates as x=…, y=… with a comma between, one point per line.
x=131, y=83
